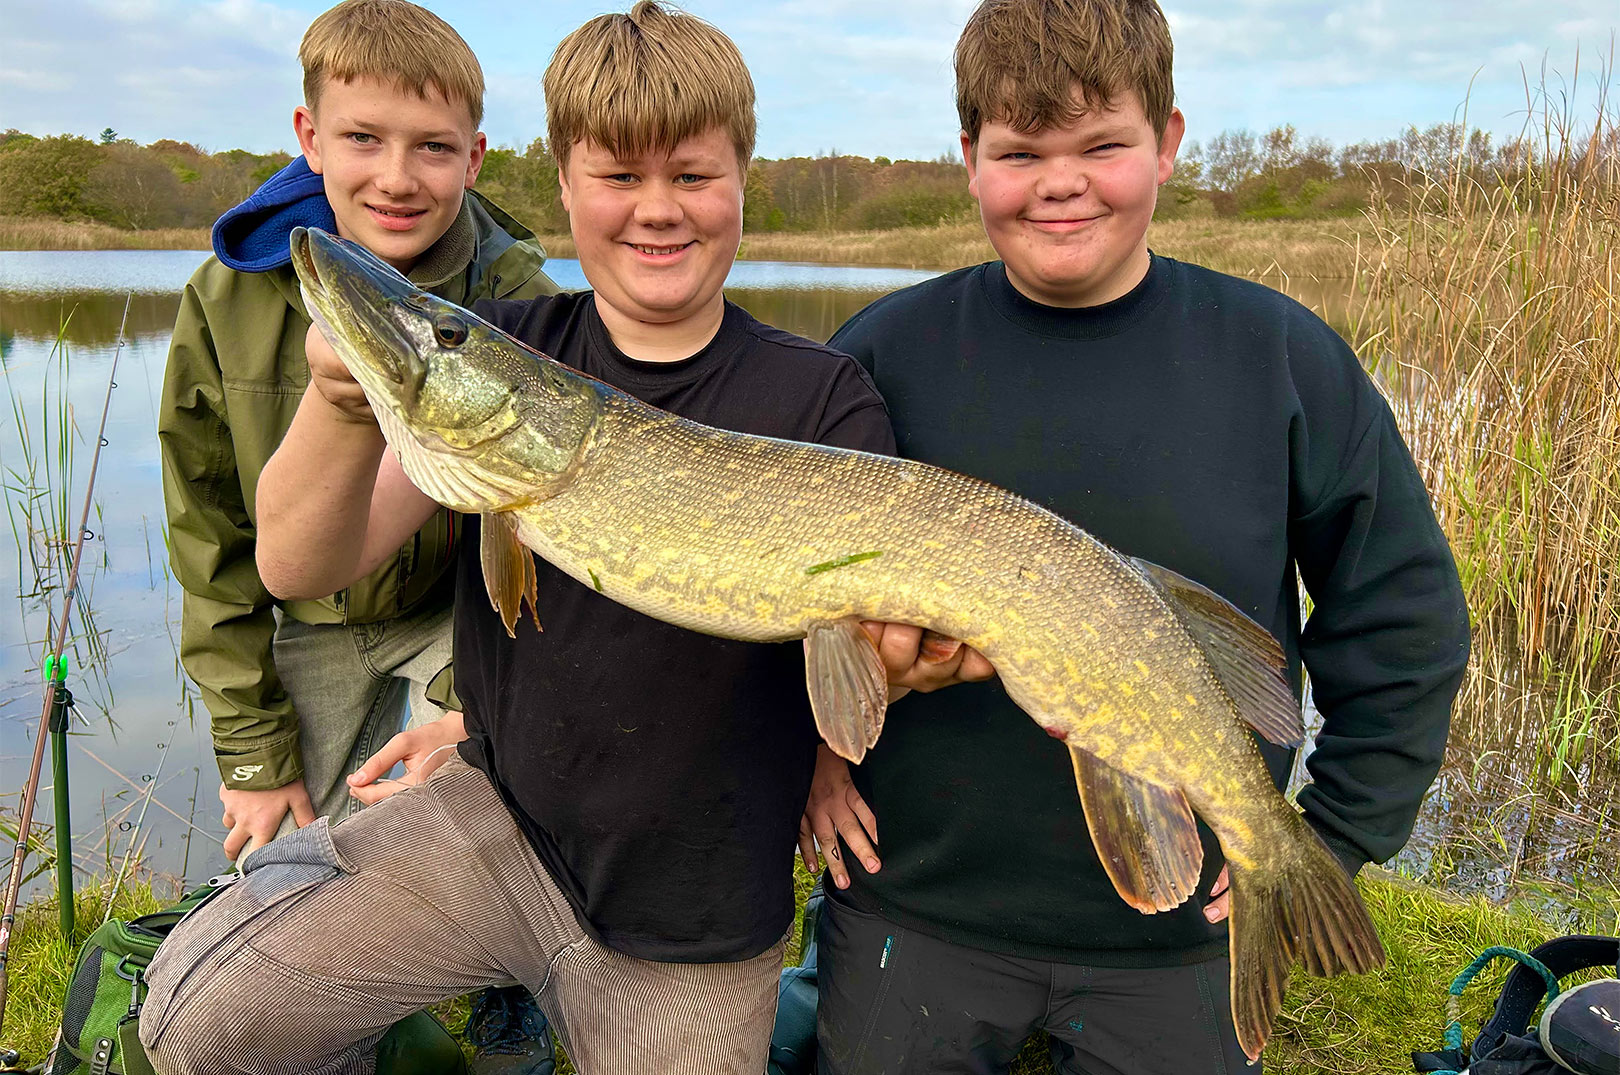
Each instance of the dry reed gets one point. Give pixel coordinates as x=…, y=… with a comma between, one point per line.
x=1490, y=308
x=43, y=233
x=1320, y=249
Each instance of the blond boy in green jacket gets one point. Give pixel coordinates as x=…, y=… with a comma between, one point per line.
x=301, y=692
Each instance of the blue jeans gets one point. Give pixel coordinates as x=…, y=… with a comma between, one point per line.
x=353, y=687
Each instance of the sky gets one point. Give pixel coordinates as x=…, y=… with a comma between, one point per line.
x=868, y=77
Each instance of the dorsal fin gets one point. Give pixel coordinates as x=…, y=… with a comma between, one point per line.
x=1244, y=657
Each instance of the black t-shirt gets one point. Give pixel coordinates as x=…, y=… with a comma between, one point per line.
x=659, y=773
x=1216, y=427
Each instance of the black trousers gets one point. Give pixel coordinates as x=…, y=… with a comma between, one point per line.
x=895, y=1001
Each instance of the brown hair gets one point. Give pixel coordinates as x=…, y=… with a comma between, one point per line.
x=391, y=41
x=646, y=80
x=1019, y=62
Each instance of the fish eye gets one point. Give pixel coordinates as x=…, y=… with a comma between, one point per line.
x=450, y=330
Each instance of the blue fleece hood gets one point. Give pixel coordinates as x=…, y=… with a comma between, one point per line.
x=255, y=236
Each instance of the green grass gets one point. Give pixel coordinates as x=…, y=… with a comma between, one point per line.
x=1363, y=1024
x=39, y=961
x=1371, y=1023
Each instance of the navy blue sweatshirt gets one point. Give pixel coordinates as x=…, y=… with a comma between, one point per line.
x=1216, y=427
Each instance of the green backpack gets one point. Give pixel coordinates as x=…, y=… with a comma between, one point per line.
x=108, y=987
x=101, y=1012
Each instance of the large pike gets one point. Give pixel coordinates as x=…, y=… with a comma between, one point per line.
x=1152, y=681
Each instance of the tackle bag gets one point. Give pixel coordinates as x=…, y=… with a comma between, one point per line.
x=101, y=1012
x=108, y=986
x=793, y=1039
x=1579, y=1029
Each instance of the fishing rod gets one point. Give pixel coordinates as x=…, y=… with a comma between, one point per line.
x=52, y=685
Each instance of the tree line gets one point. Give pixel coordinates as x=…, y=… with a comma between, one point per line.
x=1239, y=174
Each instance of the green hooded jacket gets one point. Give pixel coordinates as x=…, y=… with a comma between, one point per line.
x=236, y=373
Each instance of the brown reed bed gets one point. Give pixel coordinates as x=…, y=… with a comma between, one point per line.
x=1489, y=306
x=43, y=233
x=1323, y=249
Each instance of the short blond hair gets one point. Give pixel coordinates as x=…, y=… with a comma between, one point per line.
x=391, y=41
x=646, y=80
x=1019, y=62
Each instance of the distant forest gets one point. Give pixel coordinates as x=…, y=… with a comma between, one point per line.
x=1236, y=174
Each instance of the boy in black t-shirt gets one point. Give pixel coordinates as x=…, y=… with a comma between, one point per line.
x=1205, y=423
x=612, y=832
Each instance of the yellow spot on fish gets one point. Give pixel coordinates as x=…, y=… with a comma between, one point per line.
x=1090, y=630
x=1142, y=668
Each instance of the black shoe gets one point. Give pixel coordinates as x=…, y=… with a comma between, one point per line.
x=510, y=1034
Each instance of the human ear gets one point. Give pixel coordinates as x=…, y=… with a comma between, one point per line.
x=1174, y=129
x=968, y=149
x=476, y=160
x=308, y=144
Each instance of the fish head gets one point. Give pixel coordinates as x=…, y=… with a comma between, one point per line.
x=479, y=421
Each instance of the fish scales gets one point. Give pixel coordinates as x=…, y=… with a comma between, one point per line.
x=726, y=547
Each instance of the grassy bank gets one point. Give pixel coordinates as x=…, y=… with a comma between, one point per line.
x=39, y=961
x=1366, y=1024
x=1319, y=248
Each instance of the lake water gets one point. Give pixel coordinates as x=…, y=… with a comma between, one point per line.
x=142, y=723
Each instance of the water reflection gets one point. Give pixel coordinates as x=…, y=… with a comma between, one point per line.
x=90, y=318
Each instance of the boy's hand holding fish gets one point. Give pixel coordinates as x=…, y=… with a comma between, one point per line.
x=336, y=385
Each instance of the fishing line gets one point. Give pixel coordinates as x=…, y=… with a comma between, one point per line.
x=31, y=788
x=408, y=772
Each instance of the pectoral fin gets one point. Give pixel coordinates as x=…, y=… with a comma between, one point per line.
x=509, y=574
x=1144, y=834
x=849, y=688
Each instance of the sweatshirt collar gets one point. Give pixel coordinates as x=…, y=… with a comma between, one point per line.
x=1077, y=323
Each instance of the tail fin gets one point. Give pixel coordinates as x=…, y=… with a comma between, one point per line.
x=1309, y=911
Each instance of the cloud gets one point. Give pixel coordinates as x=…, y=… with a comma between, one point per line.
x=866, y=76
x=223, y=74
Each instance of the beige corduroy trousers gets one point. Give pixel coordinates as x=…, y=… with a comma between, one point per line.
x=335, y=933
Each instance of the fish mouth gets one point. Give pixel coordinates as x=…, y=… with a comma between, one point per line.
x=353, y=296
